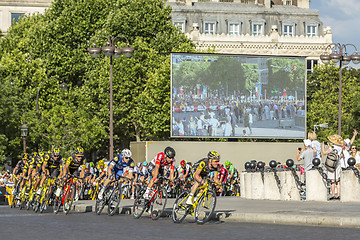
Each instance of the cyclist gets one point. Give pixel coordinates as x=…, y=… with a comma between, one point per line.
x=203, y=168
x=157, y=165
x=184, y=171
x=76, y=165
x=20, y=171
x=51, y=165
x=121, y=165
x=232, y=171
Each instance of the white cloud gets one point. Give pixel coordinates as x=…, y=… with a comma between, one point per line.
x=349, y=7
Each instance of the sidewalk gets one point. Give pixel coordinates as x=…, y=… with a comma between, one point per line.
x=235, y=209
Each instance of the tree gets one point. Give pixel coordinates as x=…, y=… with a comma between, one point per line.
x=54, y=44
x=323, y=100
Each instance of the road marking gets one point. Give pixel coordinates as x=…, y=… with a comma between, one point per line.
x=20, y=215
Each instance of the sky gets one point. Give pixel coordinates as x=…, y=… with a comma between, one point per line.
x=343, y=16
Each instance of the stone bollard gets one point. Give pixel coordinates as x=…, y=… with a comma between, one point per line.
x=316, y=189
x=350, y=187
x=248, y=185
x=289, y=191
x=257, y=186
x=242, y=184
x=271, y=190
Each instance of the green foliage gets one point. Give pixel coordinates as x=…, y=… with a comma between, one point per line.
x=323, y=100
x=43, y=46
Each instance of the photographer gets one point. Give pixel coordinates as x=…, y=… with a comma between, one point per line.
x=306, y=154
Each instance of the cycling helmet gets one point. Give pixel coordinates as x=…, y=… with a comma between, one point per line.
x=101, y=162
x=183, y=162
x=138, y=164
x=56, y=152
x=169, y=152
x=227, y=163
x=126, y=153
x=41, y=154
x=144, y=163
x=25, y=156
x=79, y=151
x=91, y=164
x=34, y=154
x=214, y=155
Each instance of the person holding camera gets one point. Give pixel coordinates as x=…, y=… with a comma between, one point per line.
x=306, y=154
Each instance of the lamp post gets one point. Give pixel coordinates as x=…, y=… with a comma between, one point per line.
x=340, y=55
x=111, y=51
x=24, y=133
x=62, y=85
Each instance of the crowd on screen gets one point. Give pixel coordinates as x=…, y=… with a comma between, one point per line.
x=220, y=116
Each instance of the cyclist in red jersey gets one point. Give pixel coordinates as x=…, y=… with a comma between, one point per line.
x=157, y=165
x=223, y=174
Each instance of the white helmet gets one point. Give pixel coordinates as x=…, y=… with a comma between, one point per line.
x=139, y=164
x=126, y=153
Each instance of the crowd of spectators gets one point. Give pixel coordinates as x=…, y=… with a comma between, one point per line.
x=220, y=117
x=345, y=150
x=4, y=178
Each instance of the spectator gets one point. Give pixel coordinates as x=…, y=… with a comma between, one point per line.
x=214, y=124
x=244, y=133
x=339, y=146
x=192, y=126
x=199, y=127
x=315, y=145
x=306, y=154
x=227, y=128
x=355, y=154
x=250, y=123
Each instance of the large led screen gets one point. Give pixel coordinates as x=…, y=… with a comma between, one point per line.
x=225, y=96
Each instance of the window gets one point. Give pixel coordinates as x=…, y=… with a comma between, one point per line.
x=311, y=31
x=288, y=2
x=15, y=17
x=226, y=1
x=209, y=28
x=234, y=29
x=258, y=29
x=248, y=1
x=288, y=30
x=310, y=64
x=180, y=25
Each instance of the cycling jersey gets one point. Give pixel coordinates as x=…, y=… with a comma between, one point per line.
x=223, y=173
x=120, y=166
x=52, y=163
x=203, y=165
x=74, y=164
x=159, y=159
x=21, y=166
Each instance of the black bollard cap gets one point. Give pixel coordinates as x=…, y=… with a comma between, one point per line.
x=351, y=161
x=316, y=162
x=252, y=165
x=247, y=165
x=261, y=165
x=273, y=164
x=289, y=163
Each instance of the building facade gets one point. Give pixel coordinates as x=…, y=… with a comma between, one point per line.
x=11, y=11
x=253, y=27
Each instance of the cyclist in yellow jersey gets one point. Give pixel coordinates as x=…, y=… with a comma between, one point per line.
x=203, y=168
x=51, y=165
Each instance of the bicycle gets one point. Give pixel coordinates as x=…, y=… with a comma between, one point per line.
x=202, y=208
x=156, y=204
x=47, y=193
x=111, y=197
x=67, y=196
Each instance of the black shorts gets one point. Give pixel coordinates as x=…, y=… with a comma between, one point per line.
x=151, y=167
x=74, y=172
x=54, y=172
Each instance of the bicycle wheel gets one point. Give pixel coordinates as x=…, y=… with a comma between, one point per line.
x=114, y=201
x=44, y=201
x=100, y=204
x=180, y=209
x=158, y=203
x=205, y=207
x=139, y=204
x=69, y=198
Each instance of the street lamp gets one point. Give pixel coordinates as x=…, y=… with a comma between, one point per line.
x=322, y=125
x=63, y=85
x=339, y=55
x=111, y=51
x=24, y=133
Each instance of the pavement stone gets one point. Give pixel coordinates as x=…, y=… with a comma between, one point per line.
x=236, y=209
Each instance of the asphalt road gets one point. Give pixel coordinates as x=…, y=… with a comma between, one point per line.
x=23, y=224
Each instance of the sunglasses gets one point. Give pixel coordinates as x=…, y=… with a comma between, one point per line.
x=353, y=148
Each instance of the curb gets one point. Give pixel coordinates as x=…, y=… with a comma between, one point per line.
x=293, y=219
